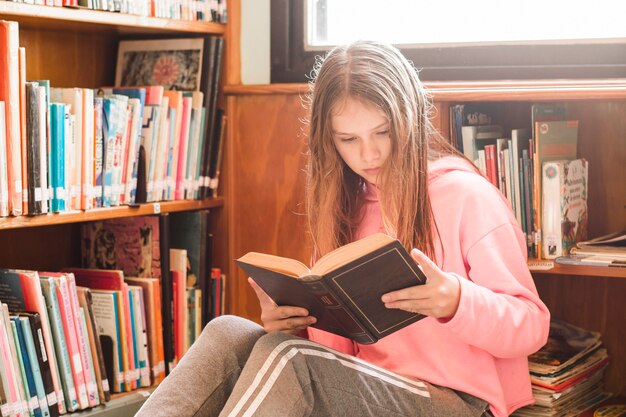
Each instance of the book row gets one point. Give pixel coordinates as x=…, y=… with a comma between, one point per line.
x=77, y=148
x=535, y=169
x=199, y=10
x=70, y=339
x=122, y=330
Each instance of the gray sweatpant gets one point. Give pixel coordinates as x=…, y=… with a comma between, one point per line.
x=236, y=369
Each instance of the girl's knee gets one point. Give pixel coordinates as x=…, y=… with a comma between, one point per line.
x=231, y=328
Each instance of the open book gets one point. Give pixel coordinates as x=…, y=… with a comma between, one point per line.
x=343, y=289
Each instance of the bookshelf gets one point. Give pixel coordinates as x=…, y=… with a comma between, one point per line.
x=268, y=134
x=77, y=47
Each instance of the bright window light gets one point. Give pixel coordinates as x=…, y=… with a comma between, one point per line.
x=457, y=22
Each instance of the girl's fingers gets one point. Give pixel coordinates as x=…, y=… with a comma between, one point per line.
x=428, y=266
x=262, y=295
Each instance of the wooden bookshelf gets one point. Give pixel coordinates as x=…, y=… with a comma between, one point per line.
x=269, y=134
x=107, y=213
x=77, y=47
x=582, y=271
x=71, y=19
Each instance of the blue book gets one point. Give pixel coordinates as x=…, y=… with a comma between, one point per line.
x=31, y=352
x=25, y=365
x=133, y=332
x=57, y=156
x=48, y=288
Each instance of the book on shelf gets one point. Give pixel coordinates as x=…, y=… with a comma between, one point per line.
x=477, y=137
x=616, y=240
x=554, y=140
x=564, y=211
x=10, y=94
x=343, y=289
x=567, y=372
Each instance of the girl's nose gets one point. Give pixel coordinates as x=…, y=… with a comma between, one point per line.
x=369, y=151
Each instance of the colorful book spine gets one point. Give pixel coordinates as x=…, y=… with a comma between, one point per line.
x=85, y=354
x=69, y=326
x=28, y=379
x=34, y=365
x=49, y=289
x=86, y=303
x=57, y=156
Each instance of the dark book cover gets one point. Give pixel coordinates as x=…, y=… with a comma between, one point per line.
x=347, y=300
x=42, y=358
x=189, y=230
x=210, y=84
x=33, y=149
x=166, y=292
x=216, y=152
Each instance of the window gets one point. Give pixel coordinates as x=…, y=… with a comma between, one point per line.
x=458, y=39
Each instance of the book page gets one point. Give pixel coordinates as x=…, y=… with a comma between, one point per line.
x=276, y=263
x=349, y=252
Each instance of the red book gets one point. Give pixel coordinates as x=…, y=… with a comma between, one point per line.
x=491, y=163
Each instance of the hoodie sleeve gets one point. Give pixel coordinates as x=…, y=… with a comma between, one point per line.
x=499, y=309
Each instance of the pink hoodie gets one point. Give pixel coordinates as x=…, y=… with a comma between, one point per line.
x=482, y=350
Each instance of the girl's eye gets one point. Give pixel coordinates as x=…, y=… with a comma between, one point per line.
x=383, y=133
x=350, y=139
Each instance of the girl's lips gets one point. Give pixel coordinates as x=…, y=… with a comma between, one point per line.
x=372, y=171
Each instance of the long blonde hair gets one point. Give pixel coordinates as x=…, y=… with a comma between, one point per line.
x=379, y=75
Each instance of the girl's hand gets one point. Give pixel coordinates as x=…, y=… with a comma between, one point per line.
x=438, y=298
x=275, y=318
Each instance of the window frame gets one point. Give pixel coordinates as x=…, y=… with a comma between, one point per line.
x=291, y=63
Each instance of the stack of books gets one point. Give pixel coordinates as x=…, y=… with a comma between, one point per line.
x=567, y=372
x=608, y=250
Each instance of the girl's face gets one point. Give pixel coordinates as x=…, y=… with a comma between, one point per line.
x=361, y=136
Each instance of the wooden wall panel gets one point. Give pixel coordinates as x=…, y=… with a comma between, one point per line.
x=70, y=59
x=267, y=182
x=593, y=303
x=47, y=248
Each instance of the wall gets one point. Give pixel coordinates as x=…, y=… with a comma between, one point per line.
x=255, y=41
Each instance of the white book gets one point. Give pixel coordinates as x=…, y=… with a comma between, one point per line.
x=88, y=161
x=105, y=311
x=564, y=206
x=4, y=181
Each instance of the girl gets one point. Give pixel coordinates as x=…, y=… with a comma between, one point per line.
x=377, y=165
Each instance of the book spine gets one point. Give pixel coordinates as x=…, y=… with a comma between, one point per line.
x=69, y=326
x=44, y=363
x=28, y=379
x=48, y=287
x=104, y=307
x=335, y=307
x=96, y=346
x=34, y=365
x=92, y=386
x=85, y=355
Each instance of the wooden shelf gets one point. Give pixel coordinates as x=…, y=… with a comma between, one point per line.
x=80, y=19
x=108, y=213
x=583, y=271
x=531, y=90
